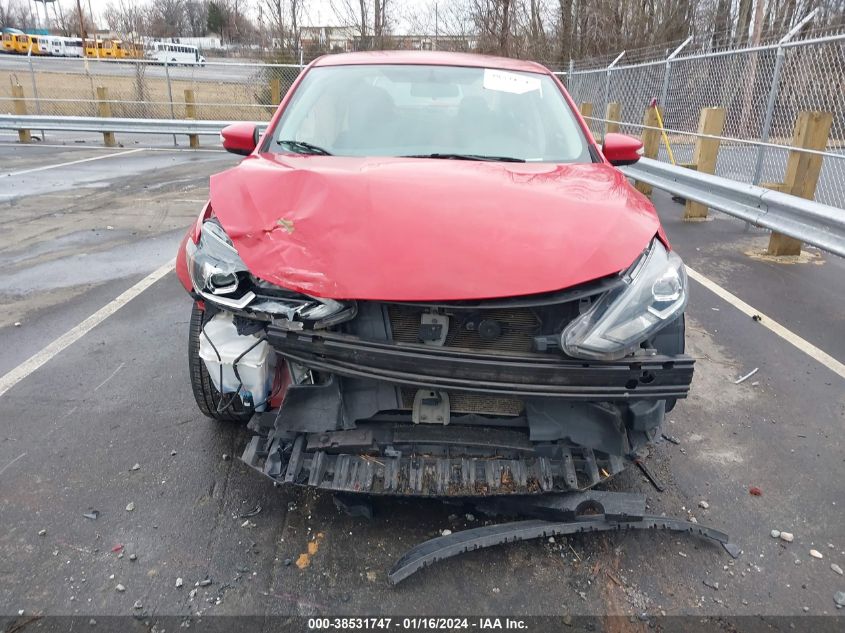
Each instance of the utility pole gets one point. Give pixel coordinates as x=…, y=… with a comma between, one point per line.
x=436, y=25
x=82, y=33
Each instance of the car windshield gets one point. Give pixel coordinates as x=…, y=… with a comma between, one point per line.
x=430, y=111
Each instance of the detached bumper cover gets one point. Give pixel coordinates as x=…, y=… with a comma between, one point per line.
x=541, y=375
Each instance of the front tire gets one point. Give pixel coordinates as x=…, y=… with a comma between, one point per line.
x=205, y=393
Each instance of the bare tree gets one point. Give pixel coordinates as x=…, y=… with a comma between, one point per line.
x=370, y=18
x=196, y=17
x=167, y=18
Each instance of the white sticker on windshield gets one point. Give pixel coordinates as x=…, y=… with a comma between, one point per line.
x=503, y=81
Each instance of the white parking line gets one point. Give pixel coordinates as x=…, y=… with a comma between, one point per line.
x=71, y=336
x=73, y=162
x=767, y=322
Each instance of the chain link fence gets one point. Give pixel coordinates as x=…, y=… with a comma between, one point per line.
x=762, y=90
x=143, y=89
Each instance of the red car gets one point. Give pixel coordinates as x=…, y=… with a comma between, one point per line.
x=427, y=279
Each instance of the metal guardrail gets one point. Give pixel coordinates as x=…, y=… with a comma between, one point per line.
x=811, y=222
x=806, y=220
x=99, y=124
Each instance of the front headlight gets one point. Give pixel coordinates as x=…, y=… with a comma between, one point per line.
x=654, y=293
x=219, y=275
x=214, y=264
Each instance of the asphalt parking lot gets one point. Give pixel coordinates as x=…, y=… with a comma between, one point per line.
x=83, y=224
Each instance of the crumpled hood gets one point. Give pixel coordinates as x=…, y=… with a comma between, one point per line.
x=429, y=230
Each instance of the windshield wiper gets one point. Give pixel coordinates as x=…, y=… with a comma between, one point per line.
x=502, y=159
x=303, y=147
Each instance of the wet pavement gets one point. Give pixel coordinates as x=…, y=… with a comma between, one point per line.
x=77, y=236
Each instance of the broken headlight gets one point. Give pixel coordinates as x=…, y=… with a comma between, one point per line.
x=654, y=293
x=214, y=264
x=219, y=275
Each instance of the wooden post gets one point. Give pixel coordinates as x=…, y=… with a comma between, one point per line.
x=712, y=123
x=191, y=113
x=651, y=142
x=104, y=110
x=586, y=110
x=612, y=114
x=275, y=92
x=20, y=108
x=802, y=170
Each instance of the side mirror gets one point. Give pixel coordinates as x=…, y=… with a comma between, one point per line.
x=621, y=149
x=240, y=138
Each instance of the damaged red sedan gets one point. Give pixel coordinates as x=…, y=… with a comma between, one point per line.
x=427, y=279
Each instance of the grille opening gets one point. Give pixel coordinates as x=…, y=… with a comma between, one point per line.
x=518, y=326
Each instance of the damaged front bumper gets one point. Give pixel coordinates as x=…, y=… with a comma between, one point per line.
x=456, y=399
x=367, y=426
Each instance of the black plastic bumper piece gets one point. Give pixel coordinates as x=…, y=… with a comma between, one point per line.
x=456, y=543
x=343, y=461
x=541, y=375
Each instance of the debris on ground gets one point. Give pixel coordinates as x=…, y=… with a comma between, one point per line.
x=133, y=557
x=470, y=517
x=787, y=536
x=226, y=457
x=120, y=588
x=203, y=583
x=92, y=514
x=138, y=605
x=754, y=491
x=130, y=506
x=17, y=323
x=135, y=467
x=117, y=548
x=836, y=568
x=179, y=582
x=248, y=524
x=816, y=553
x=713, y=585
x=42, y=532
x=703, y=504
x=775, y=533
x=742, y=379
x=246, y=515
x=670, y=438
x=445, y=532
x=173, y=453
x=757, y=318
x=839, y=599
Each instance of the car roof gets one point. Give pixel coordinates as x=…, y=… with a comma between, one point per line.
x=434, y=58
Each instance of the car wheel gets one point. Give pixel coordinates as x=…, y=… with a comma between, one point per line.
x=205, y=393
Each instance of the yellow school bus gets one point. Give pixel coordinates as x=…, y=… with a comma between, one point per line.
x=20, y=43
x=9, y=42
